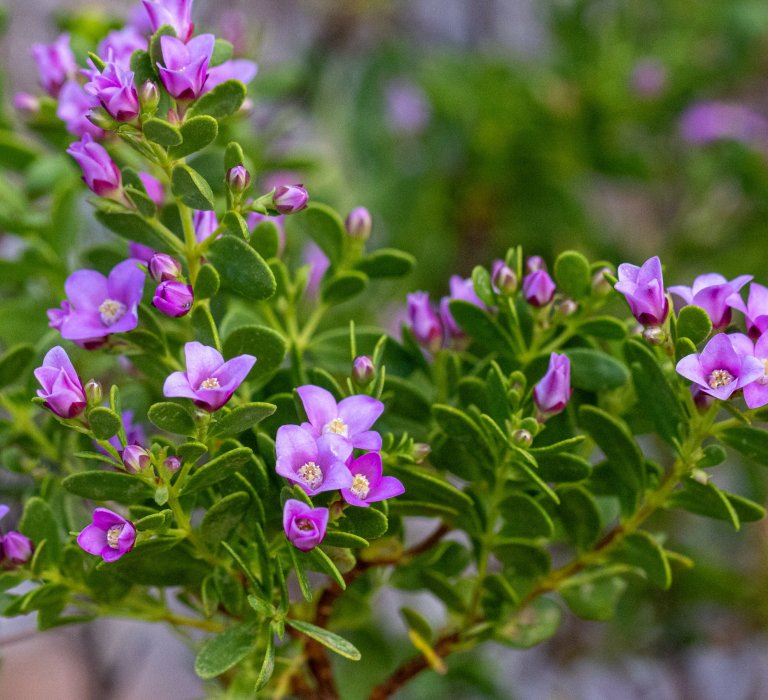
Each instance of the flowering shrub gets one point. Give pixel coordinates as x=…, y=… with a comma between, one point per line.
x=526, y=414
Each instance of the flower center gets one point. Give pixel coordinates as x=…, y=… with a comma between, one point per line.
x=111, y=311
x=304, y=524
x=310, y=474
x=361, y=487
x=210, y=383
x=337, y=426
x=720, y=378
x=764, y=379
x=113, y=534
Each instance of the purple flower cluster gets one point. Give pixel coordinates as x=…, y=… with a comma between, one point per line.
x=318, y=455
x=15, y=548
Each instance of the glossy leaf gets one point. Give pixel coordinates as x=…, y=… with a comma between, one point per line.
x=222, y=652
x=217, y=469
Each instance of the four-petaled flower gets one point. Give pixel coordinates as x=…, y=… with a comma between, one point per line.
x=109, y=536
x=368, y=484
x=304, y=526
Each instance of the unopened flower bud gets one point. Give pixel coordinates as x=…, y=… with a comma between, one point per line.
x=149, y=96
x=701, y=399
x=700, y=476
x=16, y=548
x=358, y=223
x=654, y=335
x=504, y=279
x=534, y=263
x=538, y=288
x=172, y=463
x=93, y=392
x=27, y=104
x=420, y=451
x=522, y=438
x=135, y=458
x=163, y=267
x=100, y=118
x=600, y=285
x=238, y=179
x=363, y=370
x=173, y=298
x=173, y=117
x=566, y=307
x=288, y=199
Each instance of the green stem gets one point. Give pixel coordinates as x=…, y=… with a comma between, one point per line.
x=191, y=251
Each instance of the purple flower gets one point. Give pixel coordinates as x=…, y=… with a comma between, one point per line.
x=108, y=536
x=236, y=69
x=119, y=45
x=358, y=223
x=316, y=465
x=534, y=263
x=186, y=65
x=552, y=393
x=288, y=199
x=407, y=109
x=538, y=288
x=351, y=418
x=643, y=288
x=173, y=298
x=172, y=463
x=318, y=265
x=304, y=526
x=719, y=369
x=73, y=109
x=712, y=292
x=62, y=389
x=26, y=103
x=55, y=63
x=368, y=484
x=424, y=322
x=134, y=434
x=99, y=171
x=163, y=267
x=755, y=310
x=16, y=548
x=238, y=179
x=464, y=290
x=205, y=223
x=649, y=78
x=174, y=13
x=102, y=305
x=705, y=122
x=756, y=393
x=56, y=317
x=142, y=253
x=114, y=88
x=363, y=370
x=503, y=278
x=208, y=381
x=135, y=458
x=154, y=189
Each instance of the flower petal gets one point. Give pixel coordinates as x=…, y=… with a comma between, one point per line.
x=86, y=289
x=360, y=412
x=202, y=362
x=319, y=405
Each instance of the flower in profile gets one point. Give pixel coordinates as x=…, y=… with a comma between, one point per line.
x=119, y=45
x=73, y=109
x=553, y=391
x=114, y=88
x=100, y=172
x=756, y=393
x=205, y=223
x=720, y=369
x=316, y=465
x=368, y=484
x=55, y=63
x=424, y=323
x=304, y=526
x=538, y=288
x=109, y=536
x=208, y=381
x=15, y=548
x=173, y=298
x=62, y=390
x=102, y=305
x=712, y=293
x=755, y=310
x=174, y=13
x=643, y=288
x=351, y=418
x=288, y=199
x=185, y=68
x=464, y=290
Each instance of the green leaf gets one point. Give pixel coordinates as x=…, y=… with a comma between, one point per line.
x=750, y=442
x=171, y=417
x=683, y=348
x=562, y=467
x=223, y=517
x=320, y=561
x=704, y=499
x=344, y=539
x=242, y=270
x=14, y=363
x=157, y=521
x=39, y=523
x=222, y=652
x=441, y=586
x=205, y=327
x=459, y=426
x=234, y=224
x=197, y=133
x=217, y=469
x=324, y=226
x=162, y=133
x=267, y=345
x=104, y=422
x=605, y=327
x=328, y=639
x=711, y=456
x=572, y=274
x=481, y=282
x=265, y=239
x=222, y=51
x=343, y=286
x=223, y=100
x=580, y=516
x=108, y=486
x=207, y=282
x=241, y=418
x=747, y=511
x=301, y=576
x=482, y=327
x=141, y=201
x=191, y=451
x=133, y=227
x=155, y=50
x=268, y=665
x=594, y=598
x=524, y=517
x=233, y=155
x=191, y=187
x=530, y=626
x=420, y=484
x=367, y=523
x=142, y=67
x=594, y=370
x=693, y=323
x=522, y=559
x=640, y=549
x=415, y=621
x=386, y=262
x=16, y=151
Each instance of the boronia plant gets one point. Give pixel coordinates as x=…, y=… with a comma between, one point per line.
x=272, y=459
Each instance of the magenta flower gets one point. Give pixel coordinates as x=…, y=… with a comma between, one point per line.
x=114, y=88
x=163, y=267
x=205, y=223
x=238, y=179
x=174, y=13
x=236, y=69
x=407, y=108
x=756, y=393
x=118, y=46
x=135, y=458
x=56, y=317
x=55, y=64
x=102, y=305
x=62, y=390
x=173, y=298
x=109, y=536
x=16, y=548
x=538, y=288
x=304, y=526
x=351, y=418
x=424, y=323
x=649, y=78
x=464, y=290
x=363, y=370
x=553, y=391
x=154, y=189
x=208, y=381
x=368, y=484
x=318, y=265
x=100, y=172
x=73, y=109
x=359, y=223
x=315, y=464
x=720, y=369
x=503, y=278
x=755, y=310
x=712, y=292
x=288, y=199
x=186, y=65
x=643, y=288
x=705, y=122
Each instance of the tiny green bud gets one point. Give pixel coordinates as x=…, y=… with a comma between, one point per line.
x=420, y=451
x=93, y=392
x=654, y=335
x=600, y=285
x=149, y=97
x=522, y=438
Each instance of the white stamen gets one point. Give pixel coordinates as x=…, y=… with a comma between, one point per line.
x=210, y=383
x=310, y=474
x=764, y=379
x=111, y=311
x=361, y=487
x=113, y=534
x=720, y=378
x=337, y=426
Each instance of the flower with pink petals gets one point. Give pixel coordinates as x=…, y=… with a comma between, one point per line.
x=756, y=393
x=185, y=68
x=100, y=172
x=205, y=223
x=109, y=536
x=553, y=391
x=55, y=64
x=538, y=288
x=175, y=13
x=235, y=69
x=712, y=293
x=304, y=526
x=755, y=310
x=643, y=288
x=73, y=109
x=62, y=389
x=424, y=323
x=119, y=45
x=368, y=484
x=114, y=88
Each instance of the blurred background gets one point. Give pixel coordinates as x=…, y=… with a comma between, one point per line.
x=620, y=128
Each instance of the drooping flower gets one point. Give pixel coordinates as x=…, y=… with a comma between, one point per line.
x=55, y=63
x=755, y=310
x=186, y=65
x=424, y=322
x=289, y=199
x=62, y=390
x=73, y=109
x=719, y=369
x=304, y=526
x=205, y=223
x=464, y=290
x=100, y=172
x=538, y=288
x=756, y=393
x=315, y=464
x=351, y=418
x=109, y=536
x=119, y=45
x=712, y=292
x=368, y=483
x=208, y=381
x=102, y=305
x=114, y=88
x=174, y=13
x=553, y=391
x=643, y=288
x=173, y=298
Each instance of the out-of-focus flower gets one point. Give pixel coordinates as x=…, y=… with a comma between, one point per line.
x=172, y=463
x=174, y=13
x=553, y=391
x=643, y=288
x=173, y=298
x=363, y=370
x=649, y=78
x=705, y=122
x=235, y=69
x=26, y=103
x=503, y=278
x=464, y=290
x=538, y=288
x=359, y=223
x=368, y=484
x=109, y=536
x=119, y=45
x=186, y=65
x=16, y=548
x=289, y=199
x=205, y=223
x=424, y=322
x=712, y=293
x=318, y=266
x=55, y=64
x=135, y=458
x=73, y=109
x=755, y=310
x=114, y=88
x=100, y=172
x=62, y=390
x=407, y=109
x=139, y=252
x=304, y=526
